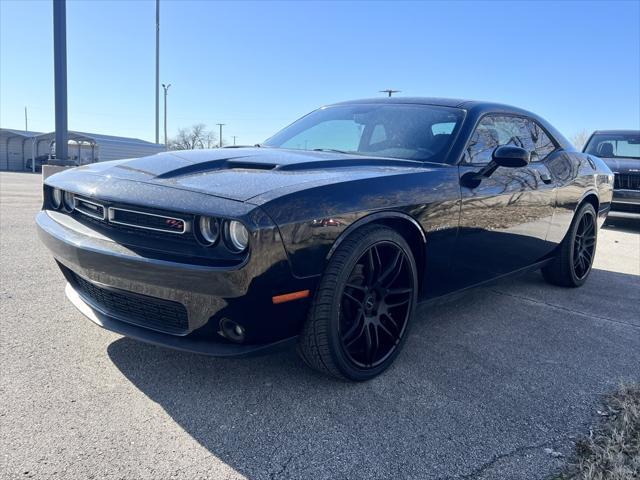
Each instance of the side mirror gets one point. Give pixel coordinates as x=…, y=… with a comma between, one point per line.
x=504, y=156
x=510, y=156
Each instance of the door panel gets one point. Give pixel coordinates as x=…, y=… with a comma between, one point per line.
x=504, y=221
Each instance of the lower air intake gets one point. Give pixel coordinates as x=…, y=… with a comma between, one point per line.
x=141, y=310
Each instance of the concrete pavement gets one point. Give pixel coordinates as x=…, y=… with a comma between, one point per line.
x=485, y=383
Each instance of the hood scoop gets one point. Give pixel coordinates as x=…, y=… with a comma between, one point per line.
x=216, y=165
x=350, y=162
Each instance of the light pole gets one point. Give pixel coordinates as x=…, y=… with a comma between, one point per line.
x=220, y=125
x=60, y=78
x=234, y=139
x=166, y=88
x=157, y=71
x=390, y=91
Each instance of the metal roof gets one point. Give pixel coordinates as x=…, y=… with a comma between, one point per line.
x=9, y=132
x=75, y=136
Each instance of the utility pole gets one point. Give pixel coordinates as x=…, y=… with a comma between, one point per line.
x=390, y=91
x=26, y=123
x=166, y=88
x=234, y=139
x=60, y=78
x=157, y=71
x=220, y=125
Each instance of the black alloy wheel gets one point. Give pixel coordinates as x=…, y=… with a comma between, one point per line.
x=584, y=245
x=573, y=262
x=361, y=312
x=376, y=304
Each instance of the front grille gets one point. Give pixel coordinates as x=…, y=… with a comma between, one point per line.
x=92, y=209
x=626, y=207
x=627, y=181
x=147, y=221
x=138, y=221
x=141, y=310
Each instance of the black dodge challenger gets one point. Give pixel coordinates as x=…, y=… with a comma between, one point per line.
x=328, y=233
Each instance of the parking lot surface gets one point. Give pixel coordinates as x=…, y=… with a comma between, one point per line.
x=485, y=383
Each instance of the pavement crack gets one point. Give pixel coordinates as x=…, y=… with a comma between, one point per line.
x=564, y=309
x=283, y=468
x=497, y=458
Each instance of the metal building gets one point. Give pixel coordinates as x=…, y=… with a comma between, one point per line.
x=19, y=146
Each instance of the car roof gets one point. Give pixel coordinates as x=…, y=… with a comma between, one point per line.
x=443, y=102
x=617, y=132
x=477, y=106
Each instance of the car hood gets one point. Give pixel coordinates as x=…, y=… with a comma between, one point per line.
x=622, y=165
x=244, y=173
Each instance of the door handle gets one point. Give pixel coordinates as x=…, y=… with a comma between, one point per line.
x=545, y=177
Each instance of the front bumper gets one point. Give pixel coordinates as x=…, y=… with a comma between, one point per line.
x=625, y=204
x=200, y=344
x=208, y=293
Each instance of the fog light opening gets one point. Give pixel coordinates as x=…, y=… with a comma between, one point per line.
x=232, y=330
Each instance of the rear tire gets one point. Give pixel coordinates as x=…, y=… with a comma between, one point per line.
x=361, y=312
x=572, y=266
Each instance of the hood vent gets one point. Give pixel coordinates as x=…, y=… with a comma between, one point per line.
x=213, y=165
x=250, y=165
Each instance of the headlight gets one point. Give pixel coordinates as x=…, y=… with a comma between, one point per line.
x=237, y=236
x=68, y=202
x=208, y=230
x=56, y=198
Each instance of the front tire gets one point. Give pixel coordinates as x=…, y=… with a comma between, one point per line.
x=360, y=315
x=572, y=266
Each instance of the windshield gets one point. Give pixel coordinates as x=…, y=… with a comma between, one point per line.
x=610, y=146
x=415, y=132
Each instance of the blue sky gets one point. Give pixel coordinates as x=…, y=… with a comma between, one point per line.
x=258, y=66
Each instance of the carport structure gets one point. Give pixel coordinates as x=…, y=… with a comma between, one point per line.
x=18, y=146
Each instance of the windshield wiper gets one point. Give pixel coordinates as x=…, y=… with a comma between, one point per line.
x=334, y=150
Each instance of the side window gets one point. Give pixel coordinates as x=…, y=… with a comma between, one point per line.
x=483, y=141
x=515, y=131
x=497, y=130
x=543, y=144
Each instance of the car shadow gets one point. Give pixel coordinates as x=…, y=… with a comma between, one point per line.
x=628, y=225
x=493, y=375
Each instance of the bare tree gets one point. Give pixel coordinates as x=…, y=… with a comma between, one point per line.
x=198, y=136
x=580, y=139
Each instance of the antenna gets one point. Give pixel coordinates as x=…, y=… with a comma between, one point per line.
x=390, y=91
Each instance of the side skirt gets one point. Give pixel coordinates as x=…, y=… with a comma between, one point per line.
x=447, y=297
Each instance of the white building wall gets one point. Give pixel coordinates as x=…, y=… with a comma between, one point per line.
x=115, y=150
x=12, y=156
